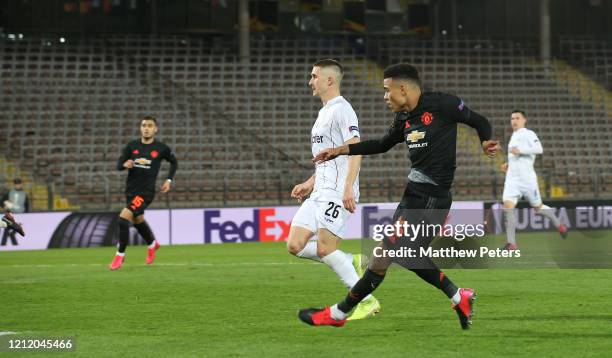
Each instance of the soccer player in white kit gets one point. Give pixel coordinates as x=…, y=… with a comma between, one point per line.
x=333, y=188
x=521, y=179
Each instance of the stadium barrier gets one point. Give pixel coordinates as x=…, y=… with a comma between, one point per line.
x=574, y=214
x=184, y=226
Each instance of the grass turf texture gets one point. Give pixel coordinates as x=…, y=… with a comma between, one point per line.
x=241, y=300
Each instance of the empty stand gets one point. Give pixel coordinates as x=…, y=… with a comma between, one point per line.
x=241, y=131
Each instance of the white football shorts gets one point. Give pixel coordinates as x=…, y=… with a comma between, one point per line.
x=515, y=190
x=322, y=214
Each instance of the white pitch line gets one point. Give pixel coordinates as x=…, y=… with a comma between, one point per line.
x=204, y=264
x=7, y=333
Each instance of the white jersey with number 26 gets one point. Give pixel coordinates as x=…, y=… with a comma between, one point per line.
x=336, y=123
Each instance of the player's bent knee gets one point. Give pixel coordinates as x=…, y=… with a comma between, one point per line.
x=126, y=214
x=327, y=242
x=298, y=239
x=509, y=204
x=323, y=251
x=294, y=248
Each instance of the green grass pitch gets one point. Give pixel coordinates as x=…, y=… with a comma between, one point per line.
x=241, y=300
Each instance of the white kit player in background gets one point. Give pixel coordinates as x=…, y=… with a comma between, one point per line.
x=333, y=188
x=521, y=179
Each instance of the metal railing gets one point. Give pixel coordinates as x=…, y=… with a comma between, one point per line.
x=557, y=184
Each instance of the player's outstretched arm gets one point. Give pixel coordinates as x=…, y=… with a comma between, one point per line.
x=373, y=146
x=330, y=154
x=455, y=107
x=482, y=125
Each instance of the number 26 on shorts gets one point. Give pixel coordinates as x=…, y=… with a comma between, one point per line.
x=332, y=210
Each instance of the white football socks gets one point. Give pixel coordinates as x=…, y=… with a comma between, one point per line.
x=309, y=252
x=343, y=267
x=456, y=297
x=510, y=226
x=339, y=261
x=548, y=212
x=336, y=313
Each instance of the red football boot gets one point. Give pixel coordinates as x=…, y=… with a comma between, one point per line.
x=509, y=247
x=117, y=262
x=319, y=317
x=464, y=308
x=151, y=253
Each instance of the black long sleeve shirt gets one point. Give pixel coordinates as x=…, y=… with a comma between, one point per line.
x=430, y=132
x=147, y=162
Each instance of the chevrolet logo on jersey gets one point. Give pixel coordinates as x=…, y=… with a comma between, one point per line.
x=142, y=163
x=415, y=136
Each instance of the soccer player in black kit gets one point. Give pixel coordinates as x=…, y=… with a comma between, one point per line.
x=142, y=158
x=427, y=122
